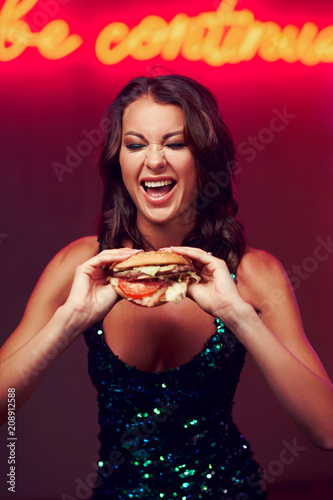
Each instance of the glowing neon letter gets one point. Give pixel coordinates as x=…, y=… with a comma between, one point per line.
x=109, y=47
x=144, y=41
x=52, y=42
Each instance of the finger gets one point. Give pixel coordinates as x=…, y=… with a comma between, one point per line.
x=110, y=256
x=193, y=253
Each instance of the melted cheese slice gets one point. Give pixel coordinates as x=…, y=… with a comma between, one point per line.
x=153, y=270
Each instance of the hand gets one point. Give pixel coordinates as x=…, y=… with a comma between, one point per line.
x=217, y=292
x=91, y=298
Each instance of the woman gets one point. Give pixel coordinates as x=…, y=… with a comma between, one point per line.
x=166, y=376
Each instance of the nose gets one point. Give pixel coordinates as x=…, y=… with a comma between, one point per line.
x=155, y=157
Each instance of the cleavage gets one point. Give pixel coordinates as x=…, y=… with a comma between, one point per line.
x=159, y=338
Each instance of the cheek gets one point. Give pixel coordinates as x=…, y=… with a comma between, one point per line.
x=190, y=173
x=127, y=180
x=131, y=162
x=128, y=169
x=129, y=183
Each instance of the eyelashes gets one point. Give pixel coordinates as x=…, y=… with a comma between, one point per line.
x=138, y=147
x=176, y=145
x=134, y=147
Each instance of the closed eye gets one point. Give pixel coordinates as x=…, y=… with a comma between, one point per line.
x=176, y=145
x=134, y=147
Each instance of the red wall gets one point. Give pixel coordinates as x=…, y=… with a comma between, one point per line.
x=284, y=189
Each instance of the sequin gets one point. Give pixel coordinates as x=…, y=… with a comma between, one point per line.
x=170, y=435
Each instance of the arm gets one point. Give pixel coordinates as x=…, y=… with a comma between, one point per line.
x=274, y=337
x=70, y=296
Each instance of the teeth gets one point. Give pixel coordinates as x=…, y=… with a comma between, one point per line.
x=153, y=184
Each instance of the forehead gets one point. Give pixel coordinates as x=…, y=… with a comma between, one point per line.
x=151, y=118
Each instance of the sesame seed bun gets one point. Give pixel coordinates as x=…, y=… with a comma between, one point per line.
x=157, y=258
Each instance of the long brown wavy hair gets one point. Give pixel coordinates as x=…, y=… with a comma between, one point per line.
x=210, y=141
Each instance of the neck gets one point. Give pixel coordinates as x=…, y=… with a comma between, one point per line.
x=163, y=235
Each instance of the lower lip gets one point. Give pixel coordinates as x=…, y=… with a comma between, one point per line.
x=159, y=200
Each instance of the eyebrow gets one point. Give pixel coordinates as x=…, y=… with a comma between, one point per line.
x=164, y=137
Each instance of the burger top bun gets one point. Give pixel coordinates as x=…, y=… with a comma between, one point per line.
x=156, y=258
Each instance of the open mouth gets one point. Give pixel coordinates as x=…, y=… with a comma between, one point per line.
x=157, y=189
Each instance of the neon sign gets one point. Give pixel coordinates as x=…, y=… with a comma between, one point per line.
x=216, y=38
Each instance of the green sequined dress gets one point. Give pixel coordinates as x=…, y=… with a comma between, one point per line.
x=170, y=435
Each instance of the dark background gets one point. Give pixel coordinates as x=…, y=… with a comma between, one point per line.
x=285, y=197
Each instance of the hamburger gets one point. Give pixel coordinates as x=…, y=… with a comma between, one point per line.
x=150, y=279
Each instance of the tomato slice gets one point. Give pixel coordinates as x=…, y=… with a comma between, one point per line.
x=138, y=289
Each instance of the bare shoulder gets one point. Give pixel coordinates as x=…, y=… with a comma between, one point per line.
x=60, y=270
x=260, y=263
x=77, y=251
x=263, y=282
x=260, y=274
x=51, y=291
x=58, y=275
